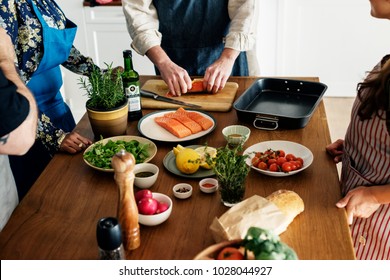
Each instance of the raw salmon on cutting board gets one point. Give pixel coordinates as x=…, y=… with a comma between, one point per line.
x=222, y=101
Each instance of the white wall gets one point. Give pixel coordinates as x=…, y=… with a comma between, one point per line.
x=335, y=40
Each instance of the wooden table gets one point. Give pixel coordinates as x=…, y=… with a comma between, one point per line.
x=57, y=219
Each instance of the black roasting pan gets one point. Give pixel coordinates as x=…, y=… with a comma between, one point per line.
x=271, y=103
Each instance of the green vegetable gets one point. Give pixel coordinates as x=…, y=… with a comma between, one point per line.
x=229, y=165
x=100, y=155
x=231, y=170
x=265, y=245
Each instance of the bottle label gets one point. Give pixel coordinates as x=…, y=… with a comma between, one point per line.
x=132, y=93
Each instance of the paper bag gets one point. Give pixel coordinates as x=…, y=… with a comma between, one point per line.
x=255, y=211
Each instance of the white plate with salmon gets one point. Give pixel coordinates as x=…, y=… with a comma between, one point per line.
x=177, y=125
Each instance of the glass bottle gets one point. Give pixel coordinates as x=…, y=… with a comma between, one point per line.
x=109, y=239
x=131, y=85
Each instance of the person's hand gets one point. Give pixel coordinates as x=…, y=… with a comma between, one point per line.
x=359, y=202
x=74, y=143
x=7, y=52
x=336, y=150
x=218, y=73
x=176, y=77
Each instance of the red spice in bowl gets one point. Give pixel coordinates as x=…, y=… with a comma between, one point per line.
x=208, y=185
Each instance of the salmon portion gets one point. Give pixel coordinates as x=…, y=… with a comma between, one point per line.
x=186, y=121
x=173, y=126
x=197, y=86
x=204, y=122
x=182, y=123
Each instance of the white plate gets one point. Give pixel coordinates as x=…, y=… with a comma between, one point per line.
x=150, y=129
x=152, y=148
x=288, y=147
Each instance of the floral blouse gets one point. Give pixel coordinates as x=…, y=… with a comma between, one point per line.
x=19, y=20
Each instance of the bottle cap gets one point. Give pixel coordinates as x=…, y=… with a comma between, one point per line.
x=127, y=53
x=109, y=234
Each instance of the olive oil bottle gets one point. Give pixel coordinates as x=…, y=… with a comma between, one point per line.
x=131, y=86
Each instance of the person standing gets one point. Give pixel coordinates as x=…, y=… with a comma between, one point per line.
x=365, y=157
x=43, y=40
x=193, y=37
x=18, y=115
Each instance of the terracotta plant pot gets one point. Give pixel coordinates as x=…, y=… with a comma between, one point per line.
x=108, y=123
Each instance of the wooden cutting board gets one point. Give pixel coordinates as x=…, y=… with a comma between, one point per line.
x=221, y=101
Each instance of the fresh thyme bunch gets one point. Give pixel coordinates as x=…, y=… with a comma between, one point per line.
x=231, y=170
x=103, y=88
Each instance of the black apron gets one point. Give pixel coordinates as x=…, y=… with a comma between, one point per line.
x=193, y=33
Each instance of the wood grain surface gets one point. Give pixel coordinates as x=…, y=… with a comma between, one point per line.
x=221, y=101
x=57, y=218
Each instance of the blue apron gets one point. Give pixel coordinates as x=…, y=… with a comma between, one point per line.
x=193, y=32
x=45, y=84
x=46, y=81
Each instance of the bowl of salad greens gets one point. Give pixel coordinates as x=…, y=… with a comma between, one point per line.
x=99, y=154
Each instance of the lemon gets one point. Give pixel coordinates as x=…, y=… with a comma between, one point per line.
x=177, y=149
x=202, y=151
x=187, y=161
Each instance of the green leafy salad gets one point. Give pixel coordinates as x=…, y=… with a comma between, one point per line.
x=101, y=154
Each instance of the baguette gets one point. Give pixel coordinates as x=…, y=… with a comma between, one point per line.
x=289, y=203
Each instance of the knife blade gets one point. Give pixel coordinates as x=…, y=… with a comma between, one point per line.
x=155, y=96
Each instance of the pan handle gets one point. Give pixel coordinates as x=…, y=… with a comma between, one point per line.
x=266, y=123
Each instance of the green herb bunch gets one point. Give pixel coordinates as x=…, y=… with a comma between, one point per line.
x=229, y=166
x=103, y=88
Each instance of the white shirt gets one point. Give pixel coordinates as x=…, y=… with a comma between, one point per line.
x=143, y=24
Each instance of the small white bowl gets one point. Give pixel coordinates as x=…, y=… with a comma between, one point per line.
x=156, y=219
x=236, y=134
x=179, y=193
x=145, y=182
x=208, y=189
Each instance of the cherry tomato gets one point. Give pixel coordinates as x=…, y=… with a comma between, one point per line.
x=294, y=165
x=262, y=165
x=255, y=161
x=280, y=161
x=274, y=167
x=298, y=164
x=287, y=167
x=271, y=161
x=281, y=153
x=290, y=157
x=230, y=253
x=300, y=160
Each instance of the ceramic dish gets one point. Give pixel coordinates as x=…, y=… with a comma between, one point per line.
x=208, y=185
x=150, y=129
x=182, y=190
x=169, y=162
x=152, y=148
x=289, y=147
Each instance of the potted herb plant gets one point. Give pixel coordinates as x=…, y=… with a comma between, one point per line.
x=107, y=104
x=231, y=171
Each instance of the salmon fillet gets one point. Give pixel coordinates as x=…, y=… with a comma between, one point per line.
x=186, y=121
x=173, y=126
x=197, y=86
x=205, y=123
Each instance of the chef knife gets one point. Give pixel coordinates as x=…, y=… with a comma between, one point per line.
x=155, y=96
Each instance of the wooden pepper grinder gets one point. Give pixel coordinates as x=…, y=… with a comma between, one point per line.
x=123, y=164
